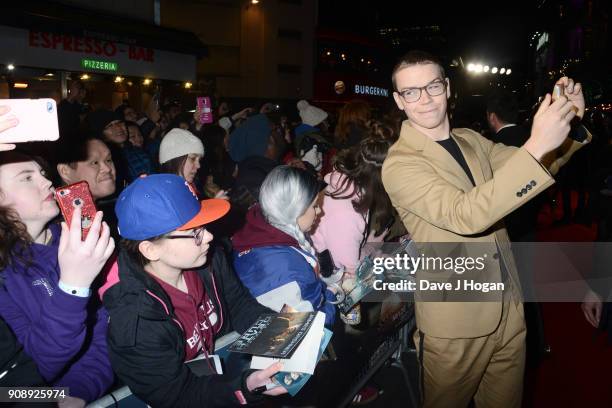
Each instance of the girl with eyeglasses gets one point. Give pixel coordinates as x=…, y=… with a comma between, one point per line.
x=171, y=295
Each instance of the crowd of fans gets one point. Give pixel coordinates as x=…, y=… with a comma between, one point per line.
x=150, y=287
x=111, y=310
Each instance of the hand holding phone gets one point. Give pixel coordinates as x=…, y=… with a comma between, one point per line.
x=29, y=120
x=558, y=91
x=326, y=264
x=81, y=261
x=573, y=92
x=7, y=121
x=74, y=196
x=205, y=109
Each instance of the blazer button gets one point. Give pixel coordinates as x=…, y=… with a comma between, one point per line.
x=496, y=256
x=533, y=183
x=528, y=187
x=524, y=191
x=519, y=194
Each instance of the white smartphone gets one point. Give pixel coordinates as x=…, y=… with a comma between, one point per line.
x=37, y=120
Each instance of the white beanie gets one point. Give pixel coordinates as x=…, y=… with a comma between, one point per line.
x=311, y=115
x=179, y=142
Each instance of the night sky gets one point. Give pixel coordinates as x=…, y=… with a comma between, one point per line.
x=496, y=31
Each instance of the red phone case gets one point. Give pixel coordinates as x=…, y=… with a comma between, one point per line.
x=74, y=195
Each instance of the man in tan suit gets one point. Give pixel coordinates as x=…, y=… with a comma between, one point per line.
x=456, y=187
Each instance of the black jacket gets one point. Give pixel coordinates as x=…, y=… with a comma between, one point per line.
x=515, y=135
x=147, y=347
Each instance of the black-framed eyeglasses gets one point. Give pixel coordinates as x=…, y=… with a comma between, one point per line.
x=197, y=235
x=434, y=88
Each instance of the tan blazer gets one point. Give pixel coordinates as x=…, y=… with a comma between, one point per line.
x=438, y=203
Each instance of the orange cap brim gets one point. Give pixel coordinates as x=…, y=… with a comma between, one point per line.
x=211, y=210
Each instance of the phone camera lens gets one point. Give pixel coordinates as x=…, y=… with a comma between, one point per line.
x=78, y=202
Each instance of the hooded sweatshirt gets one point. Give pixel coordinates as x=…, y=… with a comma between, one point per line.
x=266, y=258
x=146, y=338
x=64, y=334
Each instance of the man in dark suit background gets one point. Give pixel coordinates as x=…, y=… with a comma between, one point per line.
x=502, y=115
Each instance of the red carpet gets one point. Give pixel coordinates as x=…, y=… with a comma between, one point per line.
x=578, y=371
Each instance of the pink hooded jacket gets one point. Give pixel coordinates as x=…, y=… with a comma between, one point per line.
x=341, y=228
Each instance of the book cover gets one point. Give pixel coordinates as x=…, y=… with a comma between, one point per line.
x=304, y=359
x=274, y=335
x=365, y=276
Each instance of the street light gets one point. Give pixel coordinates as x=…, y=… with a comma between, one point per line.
x=146, y=82
x=508, y=71
x=470, y=67
x=118, y=79
x=188, y=85
x=486, y=68
x=478, y=68
x=501, y=71
x=254, y=1
x=494, y=70
x=10, y=67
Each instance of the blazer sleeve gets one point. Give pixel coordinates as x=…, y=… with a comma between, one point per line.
x=414, y=185
x=554, y=160
x=499, y=153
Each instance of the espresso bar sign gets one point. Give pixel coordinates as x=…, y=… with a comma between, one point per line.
x=83, y=45
x=370, y=90
x=61, y=51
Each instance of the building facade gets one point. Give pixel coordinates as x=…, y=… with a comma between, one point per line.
x=263, y=50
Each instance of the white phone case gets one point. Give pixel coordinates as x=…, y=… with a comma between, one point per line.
x=37, y=120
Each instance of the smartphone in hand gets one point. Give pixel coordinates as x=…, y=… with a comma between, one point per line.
x=558, y=91
x=204, y=106
x=326, y=263
x=37, y=120
x=77, y=195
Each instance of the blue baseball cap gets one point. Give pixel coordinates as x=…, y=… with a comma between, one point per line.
x=161, y=203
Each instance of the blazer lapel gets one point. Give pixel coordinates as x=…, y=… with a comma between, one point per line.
x=470, y=157
x=441, y=159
